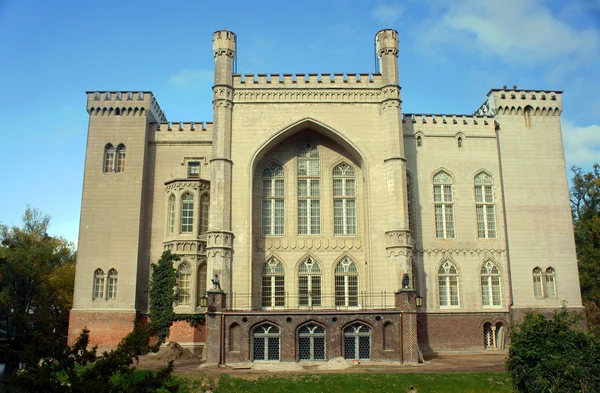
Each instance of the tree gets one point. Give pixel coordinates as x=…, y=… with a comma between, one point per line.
x=162, y=296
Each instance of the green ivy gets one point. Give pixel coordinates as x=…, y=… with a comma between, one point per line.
x=162, y=296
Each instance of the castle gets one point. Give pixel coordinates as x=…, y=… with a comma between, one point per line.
x=314, y=219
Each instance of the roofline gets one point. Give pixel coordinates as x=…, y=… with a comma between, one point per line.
x=526, y=90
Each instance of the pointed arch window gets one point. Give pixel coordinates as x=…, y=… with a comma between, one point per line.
x=448, y=285
x=309, y=283
x=113, y=279
x=187, y=213
x=99, y=278
x=419, y=141
x=273, y=284
x=444, y=205
x=491, y=294
x=309, y=190
x=121, y=155
x=409, y=197
x=538, y=280
x=171, y=214
x=357, y=342
x=204, y=212
x=273, y=201
x=484, y=206
x=344, y=200
x=550, y=283
x=201, y=285
x=109, y=158
x=184, y=283
x=266, y=342
x=527, y=116
x=346, y=284
x=311, y=342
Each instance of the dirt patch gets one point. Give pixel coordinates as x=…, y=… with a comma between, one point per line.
x=277, y=366
x=338, y=363
x=174, y=352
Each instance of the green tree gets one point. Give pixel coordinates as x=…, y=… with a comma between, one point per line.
x=162, y=296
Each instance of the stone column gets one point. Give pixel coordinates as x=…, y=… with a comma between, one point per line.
x=406, y=304
x=214, y=330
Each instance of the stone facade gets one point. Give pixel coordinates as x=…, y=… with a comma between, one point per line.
x=323, y=211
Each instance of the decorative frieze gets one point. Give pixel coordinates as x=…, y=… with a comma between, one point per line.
x=308, y=244
x=186, y=246
x=308, y=95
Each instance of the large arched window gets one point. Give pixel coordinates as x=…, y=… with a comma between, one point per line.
x=491, y=294
x=184, y=284
x=187, y=213
x=109, y=158
x=121, y=155
x=311, y=342
x=265, y=342
x=273, y=284
x=346, y=284
x=204, y=213
x=444, y=205
x=99, y=278
x=484, y=206
x=448, y=285
x=357, y=342
x=309, y=190
x=273, y=191
x=113, y=279
x=171, y=214
x=344, y=200
x=309, y=283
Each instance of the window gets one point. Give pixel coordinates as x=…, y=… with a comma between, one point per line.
x=187, y=213
x=490, y=285
x=444, y=206
x=527, y=115
x=357, y=342
x=448, y=285
x=493, y=335
x=544, y=283
x=309, y=283
x=265, y=342
x=272, y=200
x=419, y=141
x=99, y=284
x=109, y=158
x=309, y=203
x=121, y=154
x=459, y=141
x=311, y=342
x=538, y=277
x=201, y=285
x=171, y=214
x=409, y=197
x=204, y=212
x=484, y=206
x=113, y=278
x=344, y=200
x=346, y=284
x=273, y=284
x=193, y=169
x=549, y=283
x=184, y=283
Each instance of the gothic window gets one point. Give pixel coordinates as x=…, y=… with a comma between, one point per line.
x=344, y=200
x=490, y=285
x=204, y=212
x=309, y=283
x=346, y=284
x=121, y=154
x=538, y=277
x=357, y=342
x=273, y=200
x=448, y=285
x=459, y=141
x=527, y=115
x=549, y=283
x=201, y=282
x=171, y=214
x=99, y=284
x=311, y=342
x=484, y=206
x=419, y=141
x=309, y=202
x=193, y=169
x=444, y=205
x=273, y=284
x=544, y=283
x=409, y=197
x=187, y=213
x=113, y=279
x=184, y=283
x=109, y=158
x=265, y=343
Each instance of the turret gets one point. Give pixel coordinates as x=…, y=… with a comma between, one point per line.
x=388, y=47
x=224, y=46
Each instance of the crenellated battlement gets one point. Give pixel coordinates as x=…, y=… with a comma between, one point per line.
x=447, y=119
x=124, y=103
x=192, y=126
x=508, y=102
x=183, y=132
x=311, y=81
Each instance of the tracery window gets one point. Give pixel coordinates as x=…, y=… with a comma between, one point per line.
x=273, y=202
x=344, y=200
x=544, y=283
x=109, y=158
x=538, y=288
x=204, y=212
x=448, y=285
x=121, y=155
x=490, y=285
x=346, y=284
x=309, y=202
x=444, y=205
x=171, y=214
x=99, y=278
x=187, y=213
x=311, y=342
x=273, y=284
x=357, y=342
x=484, y=206
x=309, y=283
x=184, y=283
x=113, y=278
x=265, y=342
x=549, y=283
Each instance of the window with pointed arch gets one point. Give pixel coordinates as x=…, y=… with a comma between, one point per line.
x=311, y=342
x=544, y=283
x=357, y=342
x=109, y=158
x=309, y=283
x=99, y=278
x=419, y=141
x=266, y=343
x=527, y=115
x=204, y=212
x=484, y=206
x=344, y=200
x=201, y=282
x=273, y=201
x=444, y=205
x=538, y=282
x=448, y=285
x=273, y=284
x=184, y=284
x=491, y=294
x=187, y=213
x=550, y=283
x=171, y=214
x=309, y=190
x=113, y=280
x=346, y=284
x=409, y=197
x=121, y=155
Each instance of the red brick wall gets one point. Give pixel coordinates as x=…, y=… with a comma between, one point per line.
x=106, y=328
x=182, y=332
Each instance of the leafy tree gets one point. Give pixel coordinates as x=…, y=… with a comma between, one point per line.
x=162, y=295
x=554, y=355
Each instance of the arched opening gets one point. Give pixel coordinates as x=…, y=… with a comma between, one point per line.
x=266, y=342
x=357, y=342
x=311, y=342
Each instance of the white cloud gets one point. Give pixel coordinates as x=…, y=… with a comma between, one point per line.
x=387, y=14
x=187, y=78
x=582, y=144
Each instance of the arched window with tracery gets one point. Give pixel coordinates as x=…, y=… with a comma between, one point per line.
x=113, y=279
x=444, y=205
x=309, y=283
x=344, y=200
x=491, y=294
x=273, y=284
x=187, y=213
x=184, y=283
x=273, y=201
x=204, y=212
x=484, y=206
x=121, y=155
x=538, y=283
x=171, y=214
x=99, y=278
x=266, y=342
x=346, y=284
x=311, y=342
x=357, y=342
x=448, y=285
x=309, y=190
x=109, y=158
x=550, y=283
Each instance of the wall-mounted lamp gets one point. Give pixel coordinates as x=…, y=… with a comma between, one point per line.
x=203, y=301
x=418, y=299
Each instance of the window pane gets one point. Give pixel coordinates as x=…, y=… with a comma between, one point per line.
x=491, y=221
x=279, y=214
x=267, y=191
x=485, y=291
x=437, y=193
x=314, y=187
x=350, y=187
x=338, y=216
x=480, y=221
x=439, y=221
x=279, y=188
x=302, y=187
x=351, y=217
x=302, y=217
x=338, y=187
x=266, y=216
x=449, y=220
x=537, y=286
x=447, y=193
x=315, y=217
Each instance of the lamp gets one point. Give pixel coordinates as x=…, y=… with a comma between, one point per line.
x=203, y=301
x=419, y=301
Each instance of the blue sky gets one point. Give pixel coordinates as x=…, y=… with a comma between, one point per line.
x=452, y=52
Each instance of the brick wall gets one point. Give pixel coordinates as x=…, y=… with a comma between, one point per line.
x=106, y=329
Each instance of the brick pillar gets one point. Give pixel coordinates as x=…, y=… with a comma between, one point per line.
x=214, y=335
x=406, y=303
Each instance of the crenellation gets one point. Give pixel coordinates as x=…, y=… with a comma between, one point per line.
x=311, y=80
x=514, y=102
x=184, y=126
x=137, y=103
x=434, y=119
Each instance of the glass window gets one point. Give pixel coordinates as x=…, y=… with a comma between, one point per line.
x=346, y=284
x=357, y=342
x=99, y=278
x=273, y=202
x=311, y=342
x=265, y=343
x=193, y=169
x=109, y=158
x=444, y=205
x=538, y=288
x=490, y=285
x=448, y=285
x=484, y=206
x=187, y=213
x=113, y=278
x=344, y=200
x=549, y=283
x=121, y=154
x=184, y=284
x=171, y=214
x=309, y=203
x=309, y=283
x=273, y=284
